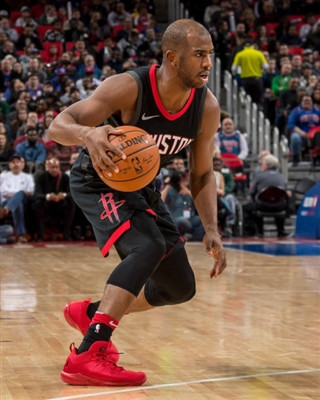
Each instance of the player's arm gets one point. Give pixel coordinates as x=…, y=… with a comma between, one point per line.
x=78, y=124
x=203, y=183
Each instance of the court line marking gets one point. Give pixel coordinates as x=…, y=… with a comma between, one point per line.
x=175, y=384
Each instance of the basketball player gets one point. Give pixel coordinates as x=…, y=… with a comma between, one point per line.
x=173, y=103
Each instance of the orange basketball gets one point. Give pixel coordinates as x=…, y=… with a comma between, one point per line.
x=142, y=163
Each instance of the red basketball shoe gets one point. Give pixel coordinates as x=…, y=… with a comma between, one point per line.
x=96, y=367
x=75, y=313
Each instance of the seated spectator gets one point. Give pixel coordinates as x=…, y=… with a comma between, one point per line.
x=310, y=25
x=32, y=150
x=34, y=87
x=52, y=200
x=88, y=65
x=16, y=189
x=73, y=33
x=313, y=39
x=280, y=82
x=32, y=120
x=76, y=17
x=291, y=37
x=7, y=29
x=47, y=119
x=6, y=146
x=306, y=71
x=56, y=34
x=49, y=16
x=141, y=17
x=5, y=128
x=301, y=119
x=5, y=75
x=15, y=108
x=11, y=94
x=287, y=101
x=269, y=176
x=34, y=68
x=25, y=18
x=178, y=199
x=87, y=84
x=118, y=15
x=229, y=140
x=227, y=197
x=28, y=36
x=8, y=49
x=60, y=152
x=18, y=122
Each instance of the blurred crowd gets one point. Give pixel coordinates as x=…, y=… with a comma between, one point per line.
x=54, y=53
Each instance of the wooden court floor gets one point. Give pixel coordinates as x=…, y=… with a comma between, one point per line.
x=251, y=334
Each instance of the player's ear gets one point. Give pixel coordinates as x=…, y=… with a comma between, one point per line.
x=172, y=57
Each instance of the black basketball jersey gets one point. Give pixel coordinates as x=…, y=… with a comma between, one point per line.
x=172, y=132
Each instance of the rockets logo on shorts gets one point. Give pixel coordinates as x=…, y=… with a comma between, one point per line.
x=110, y=207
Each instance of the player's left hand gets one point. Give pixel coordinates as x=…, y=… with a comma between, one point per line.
x=214, y=248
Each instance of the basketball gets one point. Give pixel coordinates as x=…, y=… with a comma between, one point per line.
x=141, y=165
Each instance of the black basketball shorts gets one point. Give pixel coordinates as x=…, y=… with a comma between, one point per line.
x=110, y=211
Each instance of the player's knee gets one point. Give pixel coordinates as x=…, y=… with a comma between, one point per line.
x=183, y=290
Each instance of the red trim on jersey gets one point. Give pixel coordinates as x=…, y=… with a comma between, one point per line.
x=150, y=211
x=114, y=237
x=164, y=112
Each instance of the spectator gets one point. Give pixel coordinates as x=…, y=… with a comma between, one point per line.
x=258, y=168
x=5, y=75
x=19, y=121
x=117, y=60
x=269, y=176
x=19, y=105
x=74, y=32
x=6, y=147
x=88, y=83
x=32, y=120
x=301, y=119
x=34, y=87
x=56, y=34
x=296, y=64
x=306, y=71
x=142, y=16
x=17, y=187
x=89, y=64
x=8, y=49
x=32, y=150
x=280, y=82
x=75, y=17
x=291, y=37
x=313, y=39
x=268, y=13
x=229, y=140
x=48, y=118
x=11, y=94
x=105, y=53
x=34, y=68
x=252, y=63
x=52, y=200
x=311, y=84
x=282, y=52
x=316, y=98
x=25, y=18
x=49, y=16
x=118, y=15
x=5, y=28
x=28, y=36
x=287, y=101
x=178, y=199
x=229, y=197
x=310, y=26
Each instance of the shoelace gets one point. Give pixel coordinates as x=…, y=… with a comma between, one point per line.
x=103, y=356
